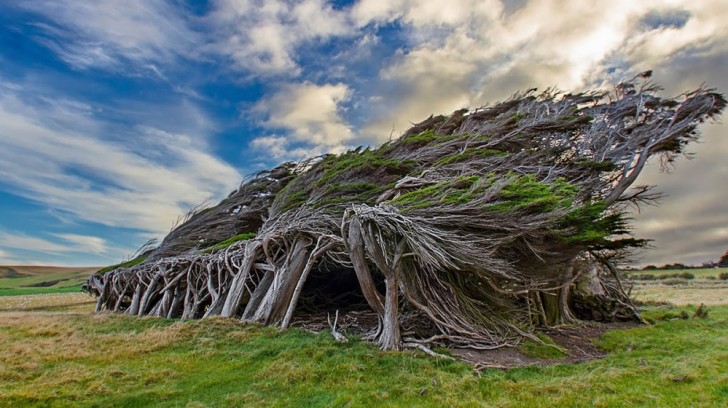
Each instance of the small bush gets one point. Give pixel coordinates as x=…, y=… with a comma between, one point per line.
x=723, y=276
x=674, y=281
x=701, y=312
x=644, y=276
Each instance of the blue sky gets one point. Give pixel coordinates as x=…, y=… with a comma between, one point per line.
x=117, y=117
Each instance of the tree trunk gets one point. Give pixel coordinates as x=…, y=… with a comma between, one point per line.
x=237, y=287
x=390, y=339
x=361, y=268
x=273, y=305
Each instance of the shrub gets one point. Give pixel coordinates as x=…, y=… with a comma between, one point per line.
x=674, y=281
x=723, y=276
x=644, y=276
x=701, y=312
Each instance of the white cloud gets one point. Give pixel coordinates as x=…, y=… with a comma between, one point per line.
x=311, y=115
x=108, y=33
x=263, y=36
x=86, y=243
x=6, y=258
x=74, y=243
x=278, y=148
x=75, y=170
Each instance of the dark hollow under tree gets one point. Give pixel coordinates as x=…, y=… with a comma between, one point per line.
x=472, y=229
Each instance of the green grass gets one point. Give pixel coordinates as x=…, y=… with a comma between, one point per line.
x=111, y=360
x=39, y=291
x=61, y=281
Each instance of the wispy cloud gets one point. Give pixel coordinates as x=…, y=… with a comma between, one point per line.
x=94, y=245
x=109, y=34
x=68, y=243
x=64, y=162
x=7, y=258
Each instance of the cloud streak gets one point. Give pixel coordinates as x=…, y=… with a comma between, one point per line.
x=107, y=34
x=63, y=162
x=69, y=243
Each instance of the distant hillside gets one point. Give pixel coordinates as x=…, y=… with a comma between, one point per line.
x=25, y=280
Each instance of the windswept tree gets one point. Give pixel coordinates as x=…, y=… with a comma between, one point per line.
x=472, y=229
x=723, y=261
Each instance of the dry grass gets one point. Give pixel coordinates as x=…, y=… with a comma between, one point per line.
x=691, y=294
x=59, y=302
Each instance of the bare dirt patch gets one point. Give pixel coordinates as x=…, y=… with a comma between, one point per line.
x=577, y=341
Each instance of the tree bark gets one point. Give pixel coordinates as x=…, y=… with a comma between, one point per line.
x=361, y=268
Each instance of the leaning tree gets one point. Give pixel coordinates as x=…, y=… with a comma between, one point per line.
x=472, y=229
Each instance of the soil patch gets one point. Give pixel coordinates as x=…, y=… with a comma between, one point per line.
x=577, y=341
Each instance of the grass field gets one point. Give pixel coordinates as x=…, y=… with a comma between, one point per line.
x=27, y=280
x=56, y=352
x=699, y=273
x=701, y=289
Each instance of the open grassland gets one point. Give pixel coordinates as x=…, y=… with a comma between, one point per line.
x=685, y=294
x=58, y=354
x=702, y=273
x=704, y=288
x=26, y=280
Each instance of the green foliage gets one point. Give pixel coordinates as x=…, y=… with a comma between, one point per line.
x=456, y=192
x=357, y=163
x=357, y=176
x=226, y=243
x=125, y=264
x=292, y=196
x=590, y=226
x=470, y=154
x=527, y=193
x=424, y=138
x=346, y=193
x=723, y=276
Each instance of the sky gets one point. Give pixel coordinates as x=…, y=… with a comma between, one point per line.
x=116, y=117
